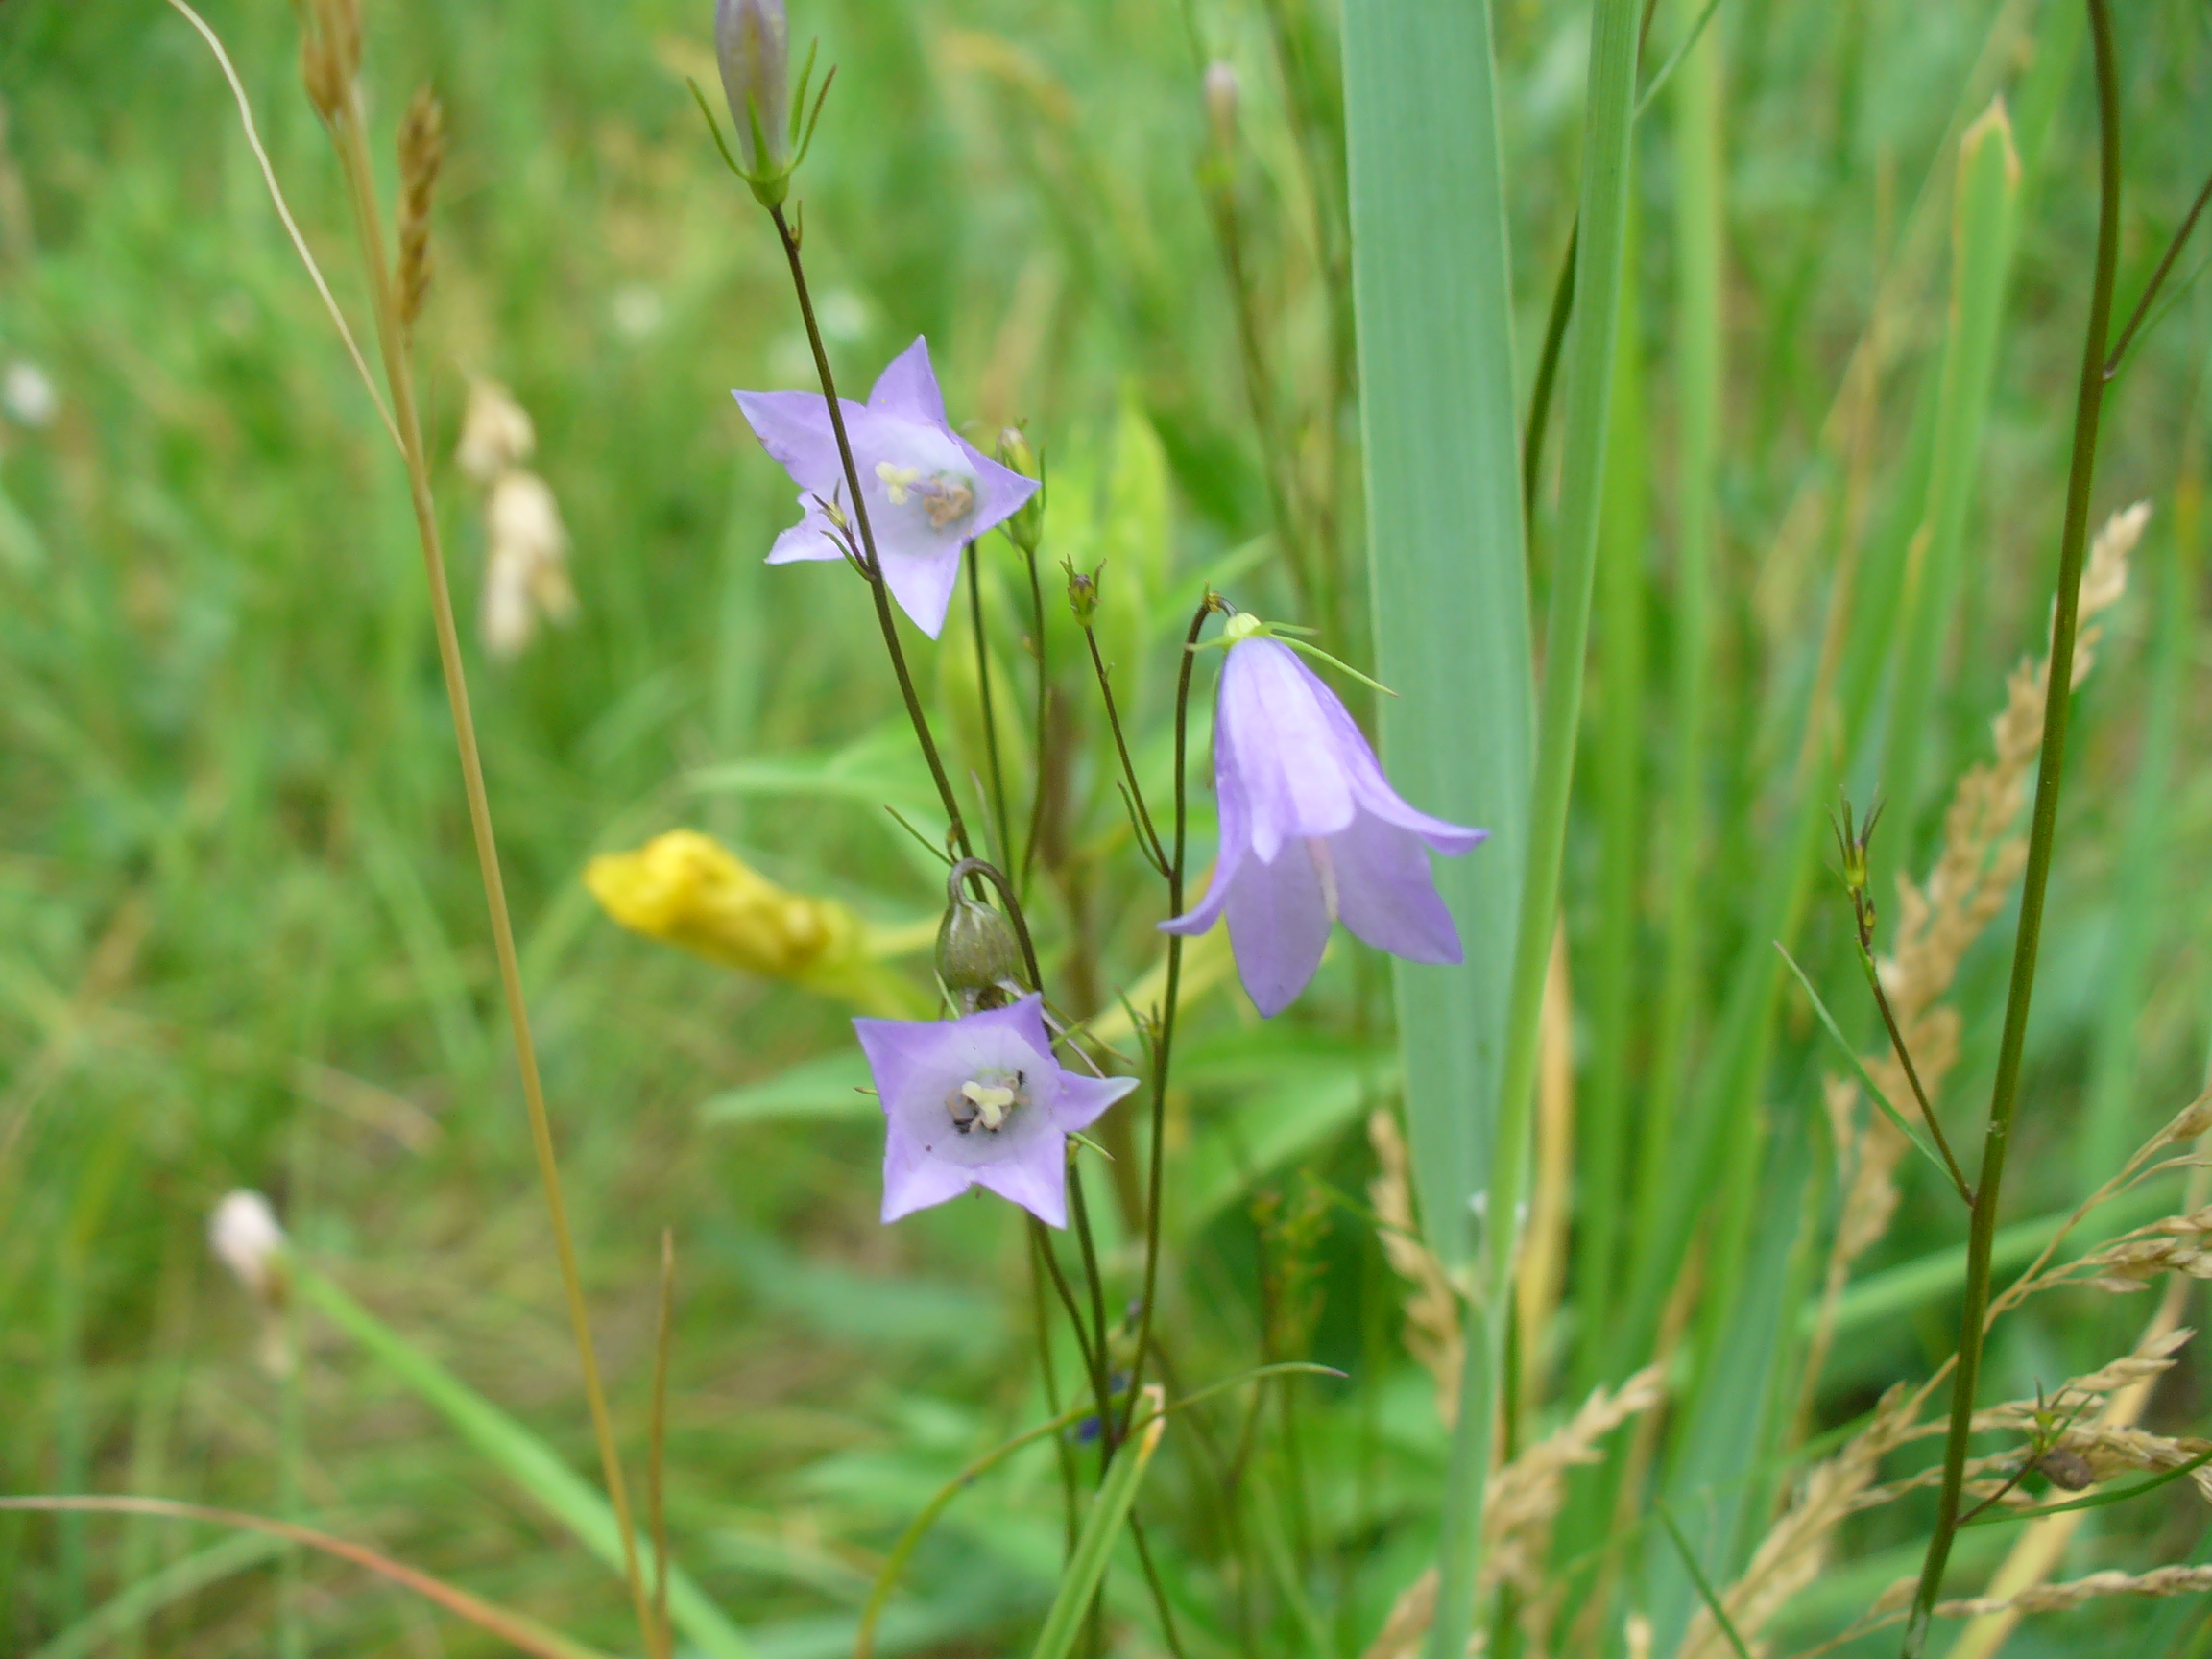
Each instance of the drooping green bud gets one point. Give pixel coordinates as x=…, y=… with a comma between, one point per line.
x=1082, y=592
x=1026, y=527
x=977, y=951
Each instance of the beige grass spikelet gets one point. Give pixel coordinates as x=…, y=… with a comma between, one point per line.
x=1519, y=1507
x=1432, y=1332
x=421, y=152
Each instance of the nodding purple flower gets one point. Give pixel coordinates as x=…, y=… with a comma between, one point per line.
x=927, y=488
x=979, y=1102
x=1312, y=831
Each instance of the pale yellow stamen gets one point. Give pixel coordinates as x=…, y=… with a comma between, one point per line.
x=896, y=479
x=992, y=1104
x=949, y=502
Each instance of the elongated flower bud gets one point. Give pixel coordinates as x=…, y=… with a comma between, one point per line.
x=752, y=41
x=1026, y=526
x=1222, y=98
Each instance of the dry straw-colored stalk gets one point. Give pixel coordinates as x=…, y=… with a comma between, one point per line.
x=1432, y=1333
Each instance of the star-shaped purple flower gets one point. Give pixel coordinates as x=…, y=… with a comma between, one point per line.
x=979, y=1102
x=1312, y=831
x=927, y=487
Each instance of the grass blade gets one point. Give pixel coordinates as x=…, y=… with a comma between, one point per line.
x=1704, y=1584
x=1087, y=1565
x=1911, y=1131
x=519, y=1454
x=1450, y=588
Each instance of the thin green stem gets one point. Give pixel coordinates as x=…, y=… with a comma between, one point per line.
x=351, y=140
x=1040, y=1312
x=1912, y=1075
x=1148, y=837
x=1152, y=1578
x=1163, y=1045
x=1101, y=1383
x=1044, y=699
x=2158, y=281
x=2050, y=776
x=1599, y=260
x=657, y=1446
x=1005, y=848
x=1547, y=378
x=957, y=826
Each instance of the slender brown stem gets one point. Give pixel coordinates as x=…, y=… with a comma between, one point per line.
x=1148, y=837
x=1005, y=848
x=1067, y=1295
x=352, y=145
x=1040, y=1312
x=1043, y=695
x=957, y=825
x=1101, y=1379
x=2051, y=771
x=1913, y=1077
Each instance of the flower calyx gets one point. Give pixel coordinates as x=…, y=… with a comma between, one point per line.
x=1025, y=527
x=978, y=955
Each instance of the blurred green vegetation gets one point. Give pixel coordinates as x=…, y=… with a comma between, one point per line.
x=242, y=942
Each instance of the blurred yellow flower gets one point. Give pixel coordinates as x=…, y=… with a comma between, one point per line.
x=687, y=889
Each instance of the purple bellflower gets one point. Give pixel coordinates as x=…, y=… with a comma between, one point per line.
x=1312, y=831
x=979, y=1102
x=927, y=488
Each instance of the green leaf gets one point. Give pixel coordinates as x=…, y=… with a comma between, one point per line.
x=1704, y=1584
x=1086, y=1563
x=1911, y=1131
x=829, y=1086
x=1441, y=453
x=521, y=1457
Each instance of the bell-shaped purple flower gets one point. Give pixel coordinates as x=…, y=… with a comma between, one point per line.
x=927, y=488
x=979, y=1102
x=1312, y=831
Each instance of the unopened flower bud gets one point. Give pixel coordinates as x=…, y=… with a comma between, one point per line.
x=751, y=41
x=1221, y=95
x=247, y=1237
x=977, y=951
x=1026, y=526
x=1082, y=592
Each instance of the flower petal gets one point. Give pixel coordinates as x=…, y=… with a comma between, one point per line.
x=1277, y=924
x=1374, y=795
x=1285, y=748
x=808, y=538
x=1387, y=895
x=921, y=584
x=1000, y=492
x=1035, y=1177
x=913, y=1180
x=908, y=386
x=896, y=1051
x=1084, y=1099
x=794, y=428
x=1235, y=841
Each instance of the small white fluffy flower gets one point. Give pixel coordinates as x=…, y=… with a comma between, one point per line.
x=248, y=1239
x=28, y=394
x=527, y=570
x=496, y=434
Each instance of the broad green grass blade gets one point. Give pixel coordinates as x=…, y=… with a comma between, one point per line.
x=1982, y=228
x=1109, y=1509
x=1601, y=1110
x=521, y=1457
x=1445, y=553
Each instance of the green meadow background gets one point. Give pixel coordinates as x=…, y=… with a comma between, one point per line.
x=241, y=936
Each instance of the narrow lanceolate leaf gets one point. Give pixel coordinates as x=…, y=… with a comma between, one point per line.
x=1450, y=602
x=1109, y=1509
x=522, y=1457
x=1982, y=237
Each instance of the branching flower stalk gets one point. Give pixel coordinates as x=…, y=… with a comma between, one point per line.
x=2003, y=1099
x=332, y=85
